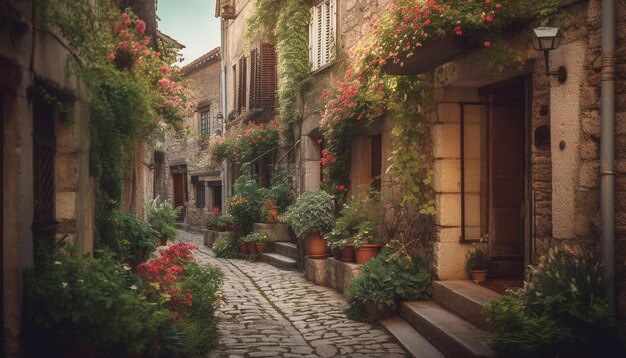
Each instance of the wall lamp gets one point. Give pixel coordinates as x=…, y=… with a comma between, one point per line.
x=219, y=118
x=547, y=39
x=151, y=166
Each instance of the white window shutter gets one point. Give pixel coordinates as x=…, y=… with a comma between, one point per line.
x=312, y=38
x=320, y=35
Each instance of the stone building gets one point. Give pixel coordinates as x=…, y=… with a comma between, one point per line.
x=46, y=189
x=185, y=175
x=528, y=144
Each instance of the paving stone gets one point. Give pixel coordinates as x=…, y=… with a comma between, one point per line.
x=314, y=323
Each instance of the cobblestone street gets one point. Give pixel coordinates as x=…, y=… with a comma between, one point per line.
x=272, y=312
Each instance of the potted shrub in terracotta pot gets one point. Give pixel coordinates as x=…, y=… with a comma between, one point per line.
x=478, y=261
x=243, y=247
x=262, y=241
x=366, y=243
x=312, y=216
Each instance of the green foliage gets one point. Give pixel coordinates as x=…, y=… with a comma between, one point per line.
x=287, y=23
x=201, y=323
x=226, y=247
x=255, y=237
x=245, y=205
x=72, y=300
x=282, y=194
x=356, y=224
x=561, y=310
x=478, y=256
x=387, y=279
x=245, y=142
x=135, y=235
x=162, y=218
x=313, y=212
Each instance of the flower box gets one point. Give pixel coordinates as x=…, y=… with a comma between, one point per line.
x=228, y=12
x=431, y=54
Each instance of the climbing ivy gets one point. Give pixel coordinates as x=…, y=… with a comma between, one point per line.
x=289, y=30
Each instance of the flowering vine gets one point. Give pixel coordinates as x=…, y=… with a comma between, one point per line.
x=244, y=142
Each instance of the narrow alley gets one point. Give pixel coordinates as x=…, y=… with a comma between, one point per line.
x=270, y=312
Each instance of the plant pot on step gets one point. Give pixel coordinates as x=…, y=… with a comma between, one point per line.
x=336, y=253
x=252, y=248
x=316, y=246
x=479, y=275
x=243, y=247
x=260, y=247
x=367, y=252
x=376, y=313
x=347, y=253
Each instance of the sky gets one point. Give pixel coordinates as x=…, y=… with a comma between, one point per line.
x=192, y=23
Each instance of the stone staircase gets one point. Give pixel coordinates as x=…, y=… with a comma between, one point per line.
x=281, y=254
x=449, y=325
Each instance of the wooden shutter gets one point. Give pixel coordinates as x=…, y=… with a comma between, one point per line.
x=254, y=80
x=267, y=76
x=319, y=36
x=240, y=98
x=241, y=87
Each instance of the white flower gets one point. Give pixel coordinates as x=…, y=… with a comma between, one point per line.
x=133, y=287
x=126, y=267
x=58, y=263
x=81, y=280
x=64, y=284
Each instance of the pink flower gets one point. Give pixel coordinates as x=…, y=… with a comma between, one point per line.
x=487, y=44
x=140, y=27
x=111, y=57
x=489, y=18
x=498, y=6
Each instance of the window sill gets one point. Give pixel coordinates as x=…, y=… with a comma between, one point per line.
x=322, y=68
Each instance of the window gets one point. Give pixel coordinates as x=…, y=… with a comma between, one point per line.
x=322, y=33
x=242, y=85
x=205, y=126
x=263, y=77
x=200, y=195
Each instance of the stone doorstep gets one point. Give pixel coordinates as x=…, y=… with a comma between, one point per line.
x=409, y=338
x=464, y=298
x=288, y=249
x=452, y=335
x=279, y=261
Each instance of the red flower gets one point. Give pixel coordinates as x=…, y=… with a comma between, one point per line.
x=487, y=44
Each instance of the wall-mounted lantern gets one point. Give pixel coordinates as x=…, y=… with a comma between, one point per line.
x=547, y=39
x=219, y=120
x=151, y=166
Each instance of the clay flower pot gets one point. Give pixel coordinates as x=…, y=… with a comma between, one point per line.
x=243, y=247
x=260, y=247
x=337, y=254
x=252, y=248
x=316, y=246
x=367, y=252
x=479, y=275
x=347, y=253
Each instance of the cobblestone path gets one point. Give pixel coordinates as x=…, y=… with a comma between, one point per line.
x=276, y=313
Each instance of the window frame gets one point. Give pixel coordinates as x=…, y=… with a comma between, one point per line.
x=200, y=194
x=205, y=123
x=320, y=40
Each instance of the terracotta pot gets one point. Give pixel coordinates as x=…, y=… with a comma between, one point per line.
x=243, y=247
x=478, y=275
x=337, y=254
x=376, y=313
x=347, y=253
x=316, y=246
x=367, y=252
x=260, y=247
x=252, y=248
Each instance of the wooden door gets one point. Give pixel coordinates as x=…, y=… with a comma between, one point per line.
x=507, y=183
x=179, y=192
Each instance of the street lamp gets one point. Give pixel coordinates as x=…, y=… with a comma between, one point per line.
x=219, y=118
x=547, y=39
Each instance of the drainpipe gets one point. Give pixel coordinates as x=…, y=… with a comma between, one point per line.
x=226, y=191
x=607, y=148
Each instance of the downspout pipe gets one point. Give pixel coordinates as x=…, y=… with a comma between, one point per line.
x=224, y=102
x=607, y=148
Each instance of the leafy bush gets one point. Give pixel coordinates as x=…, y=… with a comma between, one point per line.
x=73, y=300
x=245, y=205
x=136, y=235
x=561, y=310
x=162, y=218
x=356, y=224
x=218, y=220
x=388, y=278
x=312, y=212
x=282, y=194
x=226, y=247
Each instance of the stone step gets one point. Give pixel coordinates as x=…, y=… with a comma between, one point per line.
x=465, y=298
x=410, y=339
x=279, y=261
x=452, y=335
x=288, y=249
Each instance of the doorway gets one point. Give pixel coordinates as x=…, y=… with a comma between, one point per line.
x=179, y=178
x=495, y=175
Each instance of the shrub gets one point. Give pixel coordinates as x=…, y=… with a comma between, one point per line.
x=561, y=310
x=74, y=300
x=282, y=194
x=356, y=224
x=245, y=205
x=226, y=247
x=388, y=278
x=162, y=218
x=136, y=236
x=478, y=256
x=312, y=212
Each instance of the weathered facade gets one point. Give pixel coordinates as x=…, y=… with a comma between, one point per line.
x=185, y=175
x=47, y=192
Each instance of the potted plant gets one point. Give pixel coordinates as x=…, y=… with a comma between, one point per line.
x=138, y=235
x=243, y=247
x=262, y=241
x=478, y=261
x=312, y=216
x=366, y=243
x=251, y=241
x=162, y=218
x=269, y=211
x=215, y=220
